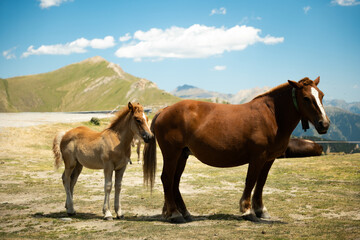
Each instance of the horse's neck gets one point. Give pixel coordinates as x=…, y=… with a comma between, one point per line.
x=123, y=131
x=286, y=115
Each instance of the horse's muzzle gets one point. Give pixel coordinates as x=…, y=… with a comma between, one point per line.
x=147, y=136
x=322, y=126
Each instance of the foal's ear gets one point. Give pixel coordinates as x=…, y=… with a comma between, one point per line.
x=316, y=81
x=295, y=84
x=131, y=107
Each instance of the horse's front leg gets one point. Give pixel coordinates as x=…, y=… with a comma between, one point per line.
x=257, y=202
x=108, y=171
x=118, y=179
x=245, y=201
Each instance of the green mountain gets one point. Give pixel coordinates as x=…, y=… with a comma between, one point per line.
x=93, y=84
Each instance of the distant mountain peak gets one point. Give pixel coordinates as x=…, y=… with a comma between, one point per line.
x=184, y=87
x=95, y=59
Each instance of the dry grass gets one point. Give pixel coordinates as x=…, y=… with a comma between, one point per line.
x=312, y=198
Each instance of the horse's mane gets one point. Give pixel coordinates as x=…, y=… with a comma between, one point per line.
x=120, y=115
x=283, y=87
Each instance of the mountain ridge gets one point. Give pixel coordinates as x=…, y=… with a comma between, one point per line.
x=92, y=84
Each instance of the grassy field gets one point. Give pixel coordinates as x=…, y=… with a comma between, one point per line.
x=308, y=198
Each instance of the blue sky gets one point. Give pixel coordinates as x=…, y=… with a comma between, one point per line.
x=218, y=45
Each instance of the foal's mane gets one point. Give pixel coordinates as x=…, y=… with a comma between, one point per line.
x=121, y=115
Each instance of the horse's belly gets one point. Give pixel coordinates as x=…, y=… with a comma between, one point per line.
x=90, y=161
x=221, y=158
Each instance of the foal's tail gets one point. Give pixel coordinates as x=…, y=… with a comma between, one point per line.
x=149, y=167
x=56, y=149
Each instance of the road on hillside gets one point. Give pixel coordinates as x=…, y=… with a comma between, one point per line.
x=25, y=119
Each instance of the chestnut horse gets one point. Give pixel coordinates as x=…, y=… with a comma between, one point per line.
x=222, y=135
x=298, y=147
x=109, y=150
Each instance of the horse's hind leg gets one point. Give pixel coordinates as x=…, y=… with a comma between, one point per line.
x=170, y=210
x=257, y=203
x=178, y=198
x=69, y=205
x=118, y=179
x=74, y=176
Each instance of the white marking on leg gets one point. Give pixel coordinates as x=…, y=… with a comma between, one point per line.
x=315, y=93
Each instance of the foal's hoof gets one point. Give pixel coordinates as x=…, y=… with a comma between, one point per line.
x=108, y=218
x=120, y=217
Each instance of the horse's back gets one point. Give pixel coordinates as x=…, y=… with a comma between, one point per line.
x=220, y=135
x=82, y=143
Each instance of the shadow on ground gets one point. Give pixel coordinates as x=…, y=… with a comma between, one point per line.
x=158, y=218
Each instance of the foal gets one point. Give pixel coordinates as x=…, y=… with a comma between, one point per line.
x=109, y=150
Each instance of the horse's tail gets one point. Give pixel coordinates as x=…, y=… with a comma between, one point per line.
x=56, y=149
x=149, y=166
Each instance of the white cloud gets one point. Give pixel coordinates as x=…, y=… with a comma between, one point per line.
x=125, y=38
x=8, y=54
x=221, y=11
x=51, y=3
x=197, y=41
x=306, y=9
x=77, y=46
x=220, y=68
x=107, y=42
x=345, y=2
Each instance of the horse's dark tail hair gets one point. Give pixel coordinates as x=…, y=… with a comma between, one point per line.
x=149, y=166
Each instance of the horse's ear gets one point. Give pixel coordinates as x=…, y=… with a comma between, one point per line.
x=316, y=81
x=130, y=106
x=295, y=84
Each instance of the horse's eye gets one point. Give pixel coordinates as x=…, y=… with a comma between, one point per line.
x=306, y=99
x=138, y=120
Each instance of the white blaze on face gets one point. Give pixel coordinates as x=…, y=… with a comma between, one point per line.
x=146, y=122
x=315, y=93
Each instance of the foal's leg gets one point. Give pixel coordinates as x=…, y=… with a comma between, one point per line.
x=74, y=176
x=66, y=177
x=257, y=203
x=70, y=164
x=251, y=178
x=138, y=151
x=108, y=171
x=118, y=178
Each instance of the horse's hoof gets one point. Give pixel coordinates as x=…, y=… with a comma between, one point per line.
x=108, y=218
x=71, y=214
x=179, y=219
x=262, y=213
x=120, y=217
x=188, y=218
x=250, y=217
